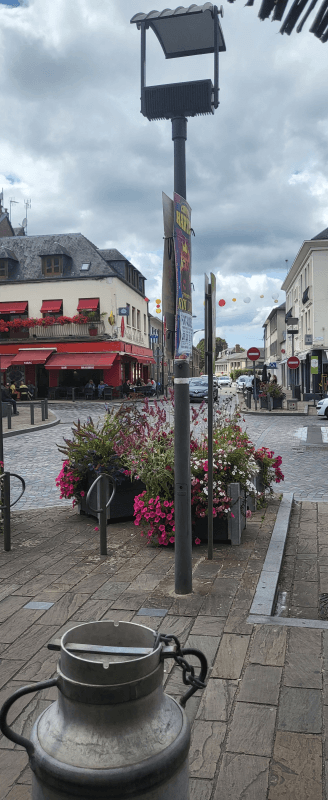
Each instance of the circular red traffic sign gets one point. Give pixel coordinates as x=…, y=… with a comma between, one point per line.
x=293, y=362
x=253, y=353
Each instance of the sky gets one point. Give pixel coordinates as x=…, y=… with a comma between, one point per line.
x=75, y=144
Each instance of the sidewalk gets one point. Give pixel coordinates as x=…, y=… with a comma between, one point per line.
x=258, y=727
x=22, y=422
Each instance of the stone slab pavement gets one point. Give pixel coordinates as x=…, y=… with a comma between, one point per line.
x=22, y=422
x=258, y=729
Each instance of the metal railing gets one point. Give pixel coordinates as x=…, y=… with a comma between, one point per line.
x=71, y=329
x=6, y=505
x=102, y=482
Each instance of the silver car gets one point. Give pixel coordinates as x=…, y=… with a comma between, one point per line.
x=198, y=389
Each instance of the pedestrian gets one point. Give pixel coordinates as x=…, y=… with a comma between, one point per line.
x=7, y=398
x=13, y=391
x=274, y=379
x=31, y=391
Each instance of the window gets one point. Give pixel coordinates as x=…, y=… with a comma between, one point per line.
x=128, y=316
x=145, y=323
x=133, y=317
x=52, y=265
x=138, y=321
x=3, y=268
x=85, y=267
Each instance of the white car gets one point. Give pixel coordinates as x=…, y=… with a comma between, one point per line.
x=224, y=380
x=241, y=382
x=322, y=408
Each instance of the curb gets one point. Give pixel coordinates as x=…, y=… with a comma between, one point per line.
x=265, y=595
x=31, y=429
x=277, y=413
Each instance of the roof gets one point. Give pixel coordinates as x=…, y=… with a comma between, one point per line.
x=273, y=312
x=112, y=255
x=322, y=235
x=29, y=249
x=5, y=252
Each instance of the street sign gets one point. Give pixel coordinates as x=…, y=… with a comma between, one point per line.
x=253, y=353
x=272, y=365
x=154, y=336
x=308, y=338
x=123, y=312
x=293, y=362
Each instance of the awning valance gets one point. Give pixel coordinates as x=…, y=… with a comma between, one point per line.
x=13, y=307
x=81, y=361
x=88, y=304
x=5, y=362
x=146, y=360
x=37, y=356
x=51, y=305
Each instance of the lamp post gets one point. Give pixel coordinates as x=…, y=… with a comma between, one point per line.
x=184, y=32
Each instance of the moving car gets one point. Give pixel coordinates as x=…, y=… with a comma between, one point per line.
x=322, y=407
x=198, y=389
x=241, y=382
x=224, y=380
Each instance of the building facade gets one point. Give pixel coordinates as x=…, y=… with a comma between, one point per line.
x=236, y=358
x=83, y=313
x=306, y=287
x=275, y=342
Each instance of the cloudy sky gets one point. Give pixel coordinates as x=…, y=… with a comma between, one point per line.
x=74, y=142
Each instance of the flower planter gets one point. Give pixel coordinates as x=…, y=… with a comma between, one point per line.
x=122, y=504
x=93, y=331
x=220, y=529
x=277, y=402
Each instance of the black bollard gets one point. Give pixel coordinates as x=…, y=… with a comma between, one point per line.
x=32, y=413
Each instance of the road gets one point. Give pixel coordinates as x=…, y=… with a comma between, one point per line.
x=301, y=441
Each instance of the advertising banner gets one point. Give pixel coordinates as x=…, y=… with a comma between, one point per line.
x=182, y=249
x=213, y=288
x=314, y=365
x=168, y=285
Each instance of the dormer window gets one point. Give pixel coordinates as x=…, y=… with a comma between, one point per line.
x=3, y=268
x=52, y=265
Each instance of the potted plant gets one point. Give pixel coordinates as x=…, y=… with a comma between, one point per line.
x=274, y=390
x=91, y=451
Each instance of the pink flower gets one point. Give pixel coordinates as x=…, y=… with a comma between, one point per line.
x=232, y=515
x=248, y=513
x=172, y=539
x=82, y=493
x=96, y=529
x=197, y=541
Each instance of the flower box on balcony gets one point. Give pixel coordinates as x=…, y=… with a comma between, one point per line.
x=93, y=331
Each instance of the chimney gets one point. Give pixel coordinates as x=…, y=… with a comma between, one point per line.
x=237, y=348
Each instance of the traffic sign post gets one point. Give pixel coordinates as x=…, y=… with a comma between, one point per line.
x=254, y=354
x=293, y=363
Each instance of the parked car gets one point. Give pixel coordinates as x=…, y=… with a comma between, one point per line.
x=224, y=380
x=241, y=382
x=322, y=407
x=198, y=389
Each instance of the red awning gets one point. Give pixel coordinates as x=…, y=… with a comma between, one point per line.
x=88, y=304
x=37, y=356
x=81, y=361
x=51, y=305
x=146, y=360
x=5, y=362
x=13, y=308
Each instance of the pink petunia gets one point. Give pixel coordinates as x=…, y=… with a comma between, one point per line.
x=96, y=528
x=197, y=541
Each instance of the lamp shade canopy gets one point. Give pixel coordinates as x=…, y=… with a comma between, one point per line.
x=184, y=31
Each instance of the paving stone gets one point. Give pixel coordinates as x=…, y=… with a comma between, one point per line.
x=19, y=792
x=303, y=670
x=269, y=646
x=236, y=622
x=18, y=623
x=305, y=594
x=10, y=605
x=300, y=710
x=303, y=613
x=296, y=769
x=208, y=626
x=206, y=740
x=252, y=729
x=8, y=670
x=187, y=606
x=306, y=571
x=92, y=610
x=200, y=790
x=215, y=606
x=38, y=635
x=63, y=609
x=305, y=641
x=260, y=685
x=40, y=668
x=179, y=626
x=11, y=765
x=206, y=644
x=231, y=655
x=242, y=777
x=217, y=699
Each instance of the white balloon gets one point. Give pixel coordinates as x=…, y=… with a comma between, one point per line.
x=247, y=299
x=275, y=296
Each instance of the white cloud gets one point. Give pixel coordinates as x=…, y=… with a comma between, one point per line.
x=75, y=142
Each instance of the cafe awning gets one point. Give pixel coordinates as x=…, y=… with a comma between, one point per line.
x=88, y=304
x=51, y=305
x=81, y=361
x=13, y=307
x=5, y=362
x=146, y=360
x=37, y=356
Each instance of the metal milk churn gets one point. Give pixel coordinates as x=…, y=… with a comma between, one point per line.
x=112, y=733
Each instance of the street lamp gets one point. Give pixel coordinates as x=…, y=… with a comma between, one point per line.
x=183, y=32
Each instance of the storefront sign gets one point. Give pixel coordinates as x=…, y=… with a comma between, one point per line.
x=314, y=365
x=308, y=338
x=182, y=248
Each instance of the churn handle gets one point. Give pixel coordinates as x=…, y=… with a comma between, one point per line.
x=4, y=727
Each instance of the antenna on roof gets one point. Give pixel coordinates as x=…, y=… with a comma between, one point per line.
x=27, y=204
x=11, y=202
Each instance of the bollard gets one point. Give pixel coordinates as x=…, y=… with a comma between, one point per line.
x=32, y=413
x=103, y=503
x=9, y=410
x=46, y=408
x=234, y=523
x=6, y=511
x=73, y=394
x=42, y=410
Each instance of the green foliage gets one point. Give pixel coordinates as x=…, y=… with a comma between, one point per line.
x=220, y=344
x=234, y=374
x=93, y=447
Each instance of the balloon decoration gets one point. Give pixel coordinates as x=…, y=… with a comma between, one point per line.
x=221, y=303
x=261, y=295
x=247, y=299
x=234, y=299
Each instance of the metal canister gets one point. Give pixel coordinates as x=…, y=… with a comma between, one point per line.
x=112, y=732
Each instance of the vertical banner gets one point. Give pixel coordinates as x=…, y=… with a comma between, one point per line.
x=169, y=283
x=182, y=248
x=206, y=324
x=213, y=293
x=314, y=365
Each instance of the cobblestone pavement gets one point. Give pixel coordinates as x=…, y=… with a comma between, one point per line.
x=36, y=458
x=259, y=727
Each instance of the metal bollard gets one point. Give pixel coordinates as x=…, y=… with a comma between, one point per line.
x=32, y=413
x=43, y=416
x=9, y=416
x=6, y=511
x=73, y=394
x=234, y=523
x=46, y=408
x=102, y=511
